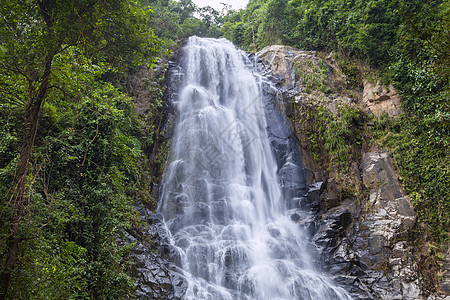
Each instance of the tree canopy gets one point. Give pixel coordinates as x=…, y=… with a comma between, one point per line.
x=67, y=151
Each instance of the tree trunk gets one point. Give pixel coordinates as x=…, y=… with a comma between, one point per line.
x=19, y=201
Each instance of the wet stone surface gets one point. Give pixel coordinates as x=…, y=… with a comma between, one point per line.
x=154, y=263
x=363, y=244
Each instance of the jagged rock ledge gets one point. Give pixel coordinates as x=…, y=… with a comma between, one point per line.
x=362, y=243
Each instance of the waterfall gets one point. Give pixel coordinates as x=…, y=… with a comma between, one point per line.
x=221, y=196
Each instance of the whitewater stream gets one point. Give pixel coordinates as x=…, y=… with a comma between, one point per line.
x=221, y=197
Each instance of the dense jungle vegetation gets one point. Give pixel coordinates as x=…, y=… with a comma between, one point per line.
x=71, y=144
x=72, y=148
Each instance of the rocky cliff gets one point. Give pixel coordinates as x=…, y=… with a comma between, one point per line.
x=363, y=231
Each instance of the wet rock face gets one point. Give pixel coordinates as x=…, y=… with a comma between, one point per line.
x=284, y=145
x=154, y=260
x=278, y=63
x=388, y=213
x=157, y=277
x=386, y=218
x=363, y=244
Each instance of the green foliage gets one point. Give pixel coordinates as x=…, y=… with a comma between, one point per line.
x=256, y=26
x=84, y=162
x=343, y=137
x=419, y=139
x=313, y=76
x=369, y=30
x=334, y=141
x=83, y=173
x=173, y=21
x=50, y=269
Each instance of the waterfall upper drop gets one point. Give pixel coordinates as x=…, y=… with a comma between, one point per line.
x=224, y=195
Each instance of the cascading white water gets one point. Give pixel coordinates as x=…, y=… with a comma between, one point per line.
x=221, y=197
